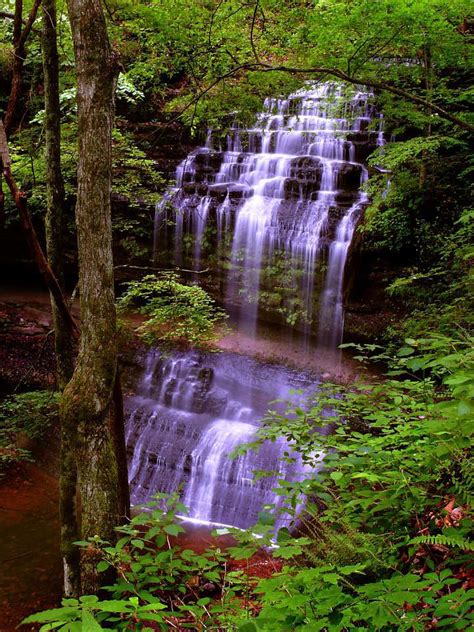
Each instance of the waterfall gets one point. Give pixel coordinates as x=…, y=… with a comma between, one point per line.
x=274, y=212
x=190, y=412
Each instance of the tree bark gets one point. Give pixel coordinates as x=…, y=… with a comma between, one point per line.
x=89, y=411
x=55, y=223
x=427, y=67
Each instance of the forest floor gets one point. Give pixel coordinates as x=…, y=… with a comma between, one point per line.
x=30, y=563
x=26, y=348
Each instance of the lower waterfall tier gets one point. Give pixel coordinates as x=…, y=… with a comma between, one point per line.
x=191, y=412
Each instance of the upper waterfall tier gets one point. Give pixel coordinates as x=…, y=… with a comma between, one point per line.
x=274, y=211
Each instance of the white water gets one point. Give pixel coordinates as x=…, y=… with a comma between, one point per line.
x=190, y=412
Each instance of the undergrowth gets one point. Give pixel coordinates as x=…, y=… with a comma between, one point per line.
x=26, y=416
x=383, y=543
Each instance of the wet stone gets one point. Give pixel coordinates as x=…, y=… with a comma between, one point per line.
x=349, y=176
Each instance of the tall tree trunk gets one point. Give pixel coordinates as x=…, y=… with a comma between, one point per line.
x=56, y=227
x=428, y=71
x=89, y=411
x=56, y=224
x=17, y=67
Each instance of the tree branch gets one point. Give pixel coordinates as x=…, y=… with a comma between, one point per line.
x=29, y=23
x=252, y=29
x=19, y=39
x=7, y=15
x=377, y=85
x=333, y=72
x=29, y=231
x=125, y=266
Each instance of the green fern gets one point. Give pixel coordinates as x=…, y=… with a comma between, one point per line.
x=466, y=545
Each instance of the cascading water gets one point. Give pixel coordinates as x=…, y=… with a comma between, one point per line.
x=278, y=207
x=191, y=411
x=273, y=214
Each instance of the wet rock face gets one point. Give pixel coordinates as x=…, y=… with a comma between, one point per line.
x=183, y=386
x=283, y=195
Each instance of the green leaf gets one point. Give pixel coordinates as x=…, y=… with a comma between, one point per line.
x=405, y=351
x=89, y=624
x=248, y=627
x=173, y=529
x=156, y=605
x=55, y=614
x=102, y=566
x=465, y=407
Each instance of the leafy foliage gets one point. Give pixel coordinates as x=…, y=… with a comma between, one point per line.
x=26, y=414
x=381, y=543
x=175, y=313
x=157, y=580
x=387, y=523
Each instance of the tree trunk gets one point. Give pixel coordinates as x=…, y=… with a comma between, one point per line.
x=17, y=67
x=56, y=225
x=20, y=35
x=89, y=411
x=63, y=335
x=428, y=70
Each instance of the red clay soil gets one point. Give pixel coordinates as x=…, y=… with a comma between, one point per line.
x=199, y=538
x=30, y=564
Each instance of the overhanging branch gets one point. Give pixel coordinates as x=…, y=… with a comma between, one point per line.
x=333, y=72
x=377, y=85
x=29, y=231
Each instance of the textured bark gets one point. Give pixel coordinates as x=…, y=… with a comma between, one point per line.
x=56, y=225
x=428, y=71
x=89, y=412
x=63, y=336
x=2, y=204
